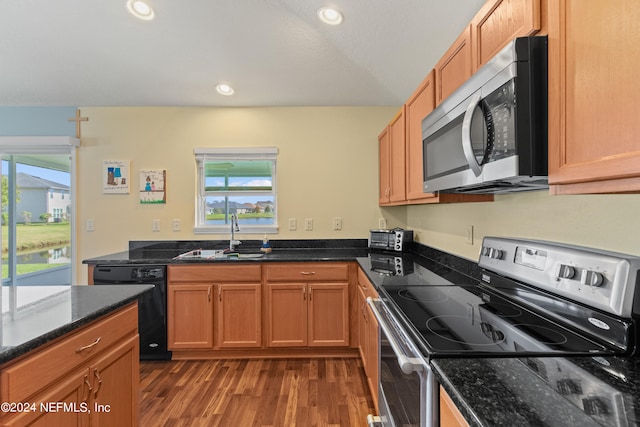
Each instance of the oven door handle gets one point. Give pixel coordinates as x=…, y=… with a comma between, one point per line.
x=408, y=364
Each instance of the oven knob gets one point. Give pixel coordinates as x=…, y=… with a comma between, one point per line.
x=495, y=253
x=566, y=272
x=594, y=406
x=591, y=278
x=567, y=386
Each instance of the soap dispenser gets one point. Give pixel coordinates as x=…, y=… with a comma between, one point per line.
x=266, y=247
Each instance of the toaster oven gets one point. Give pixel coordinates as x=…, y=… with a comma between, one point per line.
x=390, y=240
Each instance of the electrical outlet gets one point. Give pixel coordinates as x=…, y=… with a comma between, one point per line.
x=308, y=224
x=175, y=225
x=90, y=225
x=469, y=234
x=293, y=224
x=155, y=225
x=337, y=223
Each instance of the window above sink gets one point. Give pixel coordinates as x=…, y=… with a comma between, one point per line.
x=236, y=181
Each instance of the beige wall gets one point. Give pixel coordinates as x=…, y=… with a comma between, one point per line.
x=327, y=167
x=602, y=221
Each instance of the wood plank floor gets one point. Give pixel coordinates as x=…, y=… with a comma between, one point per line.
x=261, y=393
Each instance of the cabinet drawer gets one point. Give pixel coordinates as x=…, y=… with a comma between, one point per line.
x=307, y=271
x=40, y=368
x=365, y=284
x=215, y=273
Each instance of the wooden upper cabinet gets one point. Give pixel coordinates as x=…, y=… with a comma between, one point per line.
x=594, y=131
x=419, y=105
x=384, y=166
x=397, y=151
x=454, y=68
x=392, y=157
x=500, y=21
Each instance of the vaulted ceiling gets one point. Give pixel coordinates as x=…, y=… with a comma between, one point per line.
x=273, y=52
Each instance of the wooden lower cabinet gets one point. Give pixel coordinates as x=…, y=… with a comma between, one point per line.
x=368, y=336
x=308, y=314
x=450, y=415
x=211, y=307
x=100, y=389
x=307, y=304
x=190, y=316
x=239, y=315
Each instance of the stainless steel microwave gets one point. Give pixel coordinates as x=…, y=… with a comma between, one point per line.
x=490, y=135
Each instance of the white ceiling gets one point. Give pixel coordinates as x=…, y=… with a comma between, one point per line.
x=273, y=52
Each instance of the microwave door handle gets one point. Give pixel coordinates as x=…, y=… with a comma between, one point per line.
x=467, y=147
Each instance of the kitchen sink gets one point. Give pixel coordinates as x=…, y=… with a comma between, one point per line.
x=214, y=254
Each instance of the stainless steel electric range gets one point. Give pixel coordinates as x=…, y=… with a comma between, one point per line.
x=533, y=300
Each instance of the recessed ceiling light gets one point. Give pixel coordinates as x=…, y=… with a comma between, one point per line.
x=140, y=9
x=224, y=89
x=330, y=15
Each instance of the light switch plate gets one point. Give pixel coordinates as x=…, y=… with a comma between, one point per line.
x=337, y=223
x=308, y=224
x=293, y=224
x=155, y=225
x=175, y=225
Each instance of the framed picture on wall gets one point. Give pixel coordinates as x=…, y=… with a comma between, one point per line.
x=153, y=185
x=115, y=175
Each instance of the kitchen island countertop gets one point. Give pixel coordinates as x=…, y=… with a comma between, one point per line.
x=35, y=315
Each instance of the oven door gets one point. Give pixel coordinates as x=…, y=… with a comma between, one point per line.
x=407, y=389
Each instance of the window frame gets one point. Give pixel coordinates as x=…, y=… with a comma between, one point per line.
x=203, y=155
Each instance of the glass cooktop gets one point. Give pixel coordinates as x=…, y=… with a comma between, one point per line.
x=474, y=320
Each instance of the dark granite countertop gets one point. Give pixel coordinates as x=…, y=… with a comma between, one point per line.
x=164, y=252
x=509, y=392
x=34, y=315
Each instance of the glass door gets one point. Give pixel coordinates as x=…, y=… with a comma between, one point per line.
x=37, y=203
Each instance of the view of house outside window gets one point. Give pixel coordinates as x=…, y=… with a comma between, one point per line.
x=38, y=240
x=241, y=184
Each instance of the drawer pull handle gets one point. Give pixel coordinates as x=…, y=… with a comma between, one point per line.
x=89, y=346
x=307, y=273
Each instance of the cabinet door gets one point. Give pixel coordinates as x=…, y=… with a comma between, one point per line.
x=421, y=103
x=363, y=329
x=190, y=316
x=372, y=354
x=454, y=68
x=238, y=319
x=384, y=166
x=593, y=96
x=499, y=22
x=73, y=391
x=397, y=158
x=287, y=314
x=115, y=385
x=328, y=314
x=450, y=416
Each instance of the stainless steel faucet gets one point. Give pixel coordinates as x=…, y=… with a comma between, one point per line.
x=234, y=227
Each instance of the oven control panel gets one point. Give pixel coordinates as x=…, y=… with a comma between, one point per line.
x=597, y=278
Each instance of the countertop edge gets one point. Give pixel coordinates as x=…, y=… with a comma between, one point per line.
x=24, y=348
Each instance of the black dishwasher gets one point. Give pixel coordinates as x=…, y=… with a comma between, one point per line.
x=152, y=306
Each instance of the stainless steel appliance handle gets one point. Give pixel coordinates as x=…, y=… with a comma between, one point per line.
x=407, y=363
x=467, y=147
x=373, y=421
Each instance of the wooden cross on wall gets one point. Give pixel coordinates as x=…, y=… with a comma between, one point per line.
x=78, y=119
